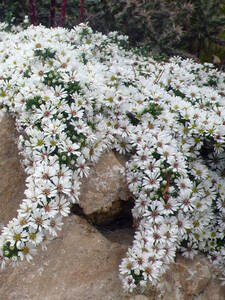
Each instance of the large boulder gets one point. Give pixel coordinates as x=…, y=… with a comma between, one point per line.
x=12, y=176
x=80, y=264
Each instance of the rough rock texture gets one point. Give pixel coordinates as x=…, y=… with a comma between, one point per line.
x=104, y=192
x=80, y=264
x=191, y=280
x=12, y=176
x=140, y=297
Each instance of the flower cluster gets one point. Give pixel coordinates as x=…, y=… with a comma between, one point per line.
x=76, y=94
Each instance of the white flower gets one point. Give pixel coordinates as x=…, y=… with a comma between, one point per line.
x=49, y=206
x=184, y=185
x=199, y=170
x=140, y=258
x=150, y=163
x=27, y=251
x=151, y=180
x=167, y=207
x=16, y=236
x=187, y=201
x=170, y=254
x=70, y=147
x=79, y=126
x=45, y=171
x=3, y=261
x=126, y=266
x=75, y=189
x=59, y=92
x=74, y=111
x=53, y=127
x=154, y=213
x=129, y=283
x=63, y=205
x=62, y=184
x=45, y=111
x=183, y=223
x=82, y=167
x=35, y=237
x=190, y=251
x=152, y=271
x=122, y=145
x=39, y=220
x=26, y=207
x=54, y=224
x=134, y=182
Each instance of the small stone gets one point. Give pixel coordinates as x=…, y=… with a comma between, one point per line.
x=105, y=190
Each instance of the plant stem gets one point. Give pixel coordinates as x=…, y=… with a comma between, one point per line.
x=63, y=13
x=52, y=13
x=81, y=17
x=33, y=16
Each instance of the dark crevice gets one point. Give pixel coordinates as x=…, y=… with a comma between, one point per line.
x=117, y=228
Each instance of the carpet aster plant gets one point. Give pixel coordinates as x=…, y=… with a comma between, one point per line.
x=76, y=94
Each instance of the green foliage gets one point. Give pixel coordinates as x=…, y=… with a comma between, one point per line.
x=52, y=78
x=45, y=53
x=165, y=26
x=154, y=109
x=73, y=87
x=13, y=12
x=33, y=103
x=207, y=23
x=137, y=278
x=156, y=24
x=10, y=251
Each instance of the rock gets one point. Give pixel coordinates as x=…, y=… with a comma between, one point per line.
x=213, y=291
x=105, y=191
x=12, y=176
x=79, y=264
x=194, y=275
x=140, y=297
x=191, y=280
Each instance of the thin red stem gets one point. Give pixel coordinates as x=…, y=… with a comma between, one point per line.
x=63, y=13
x=81, y=17
x=52, y=13
x=33, y=15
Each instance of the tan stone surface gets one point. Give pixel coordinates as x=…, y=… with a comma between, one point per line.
x=12, y=176
x=212, y=292
x=80, y=264
x=140, y=297
x=191, y=280
x=102, y=190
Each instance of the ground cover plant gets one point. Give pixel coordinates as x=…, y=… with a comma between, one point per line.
x=76, y=94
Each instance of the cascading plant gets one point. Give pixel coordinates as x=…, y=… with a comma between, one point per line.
x=76, y=94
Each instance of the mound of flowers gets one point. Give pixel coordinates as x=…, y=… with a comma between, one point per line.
x=76, y=94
